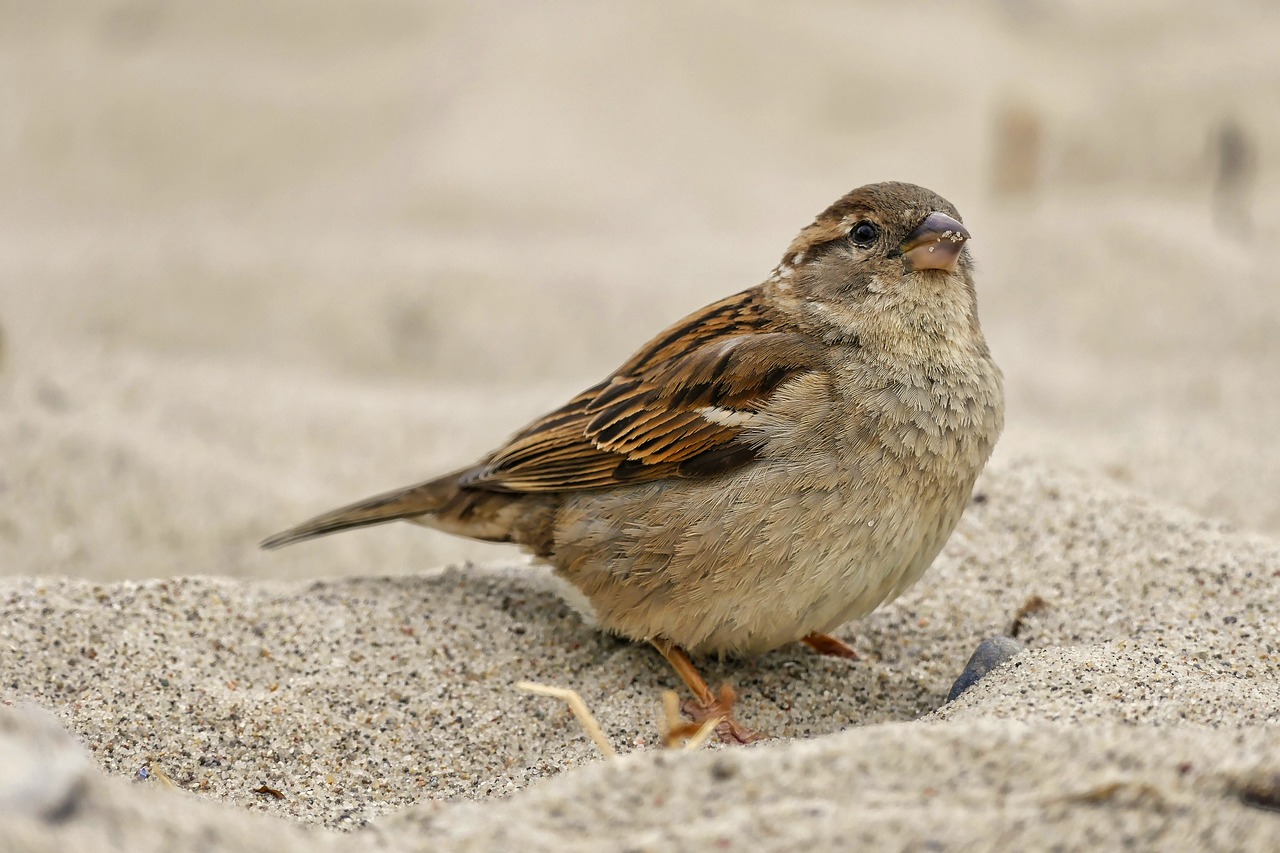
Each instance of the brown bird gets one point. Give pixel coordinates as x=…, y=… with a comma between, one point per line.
x=768, y=468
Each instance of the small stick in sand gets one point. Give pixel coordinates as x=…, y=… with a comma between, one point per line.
x=1034, y=604
x=580, y=710
x=674, y=729
x=151, y=771
x=703, y=734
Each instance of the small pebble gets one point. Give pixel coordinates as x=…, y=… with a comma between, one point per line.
x=990, y=654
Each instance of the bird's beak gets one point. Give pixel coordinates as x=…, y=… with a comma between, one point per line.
x=935, y=244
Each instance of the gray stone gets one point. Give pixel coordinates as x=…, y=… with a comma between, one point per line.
x=990, y=654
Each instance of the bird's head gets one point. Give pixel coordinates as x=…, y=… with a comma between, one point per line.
x=887, y=260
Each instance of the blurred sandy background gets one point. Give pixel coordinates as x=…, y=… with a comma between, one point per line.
x=260, y=258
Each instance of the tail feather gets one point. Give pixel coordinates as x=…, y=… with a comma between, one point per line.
x=419, y=500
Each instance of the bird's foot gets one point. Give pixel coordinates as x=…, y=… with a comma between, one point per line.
x=720, y=706
x=706, y=705
x=825, y=644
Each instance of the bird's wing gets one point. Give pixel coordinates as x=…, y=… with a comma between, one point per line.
x=683, y=406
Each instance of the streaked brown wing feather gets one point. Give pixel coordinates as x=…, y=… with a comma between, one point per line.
x=646, y=421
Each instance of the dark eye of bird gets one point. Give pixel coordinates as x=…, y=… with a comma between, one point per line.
x=864, y=233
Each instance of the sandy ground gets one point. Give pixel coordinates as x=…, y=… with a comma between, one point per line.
x=257, y=261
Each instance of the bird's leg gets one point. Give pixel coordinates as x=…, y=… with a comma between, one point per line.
x=706, y=705
x=825, y=644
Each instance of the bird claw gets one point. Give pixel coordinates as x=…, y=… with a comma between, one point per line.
x=720, y=707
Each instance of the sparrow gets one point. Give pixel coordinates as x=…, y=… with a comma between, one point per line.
x=767, y=469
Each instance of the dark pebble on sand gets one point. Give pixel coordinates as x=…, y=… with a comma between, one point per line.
x=989, y=655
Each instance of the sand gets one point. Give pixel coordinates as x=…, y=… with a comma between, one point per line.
x=256, y=264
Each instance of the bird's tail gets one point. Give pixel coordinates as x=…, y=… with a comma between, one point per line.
x=414, y=502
